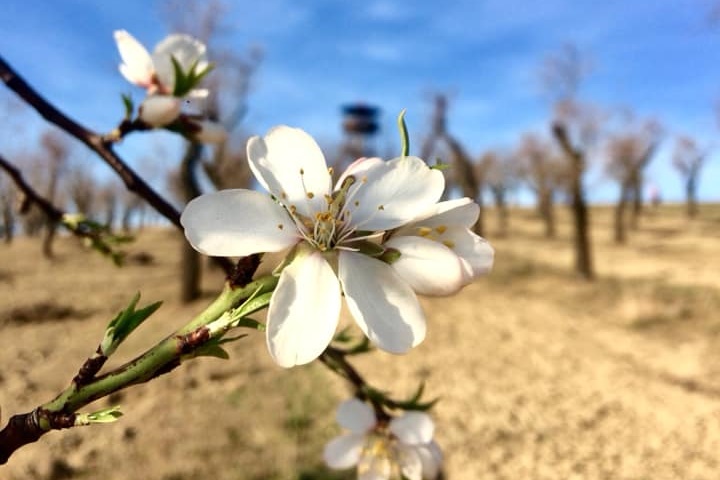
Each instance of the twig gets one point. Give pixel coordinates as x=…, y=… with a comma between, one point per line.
x=101, y=145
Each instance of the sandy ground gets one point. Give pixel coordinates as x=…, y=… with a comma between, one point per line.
x=541, y=375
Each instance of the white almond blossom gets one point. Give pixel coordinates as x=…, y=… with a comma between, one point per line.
x=404, y=446
x=332, y=230
x=156, y=72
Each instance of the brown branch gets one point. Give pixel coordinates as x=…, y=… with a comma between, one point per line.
x=336, y=361
x=53, y=213
x=99, y=144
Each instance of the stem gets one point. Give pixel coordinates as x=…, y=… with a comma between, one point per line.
x=162, y=358
x=336, y=361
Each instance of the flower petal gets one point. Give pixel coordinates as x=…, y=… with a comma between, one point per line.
x=358, y=168
x=471, y=248
x=356, y=416
x=137, y=66
x=303, y=311
x=393, y=193
x=291, y=166
x=343, y=451
x=237, y=222
x=187, y=50
x=413, y=428
x=383, y=305
x=160, y=110
x=410, y=463
x=460, y=211
x=431, y=458
x=429, y=267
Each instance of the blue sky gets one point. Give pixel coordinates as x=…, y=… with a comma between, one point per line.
x=659, y=58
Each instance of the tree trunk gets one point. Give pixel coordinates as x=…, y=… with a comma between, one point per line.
x=8, y=221
x=581, y=217
x=190, y=259
x=479, y=226
x=502, y=211
x=51, y=225
x=465, y=177
x=691, y=196
x=547, y=212
x=620, y=234
x=637, y=200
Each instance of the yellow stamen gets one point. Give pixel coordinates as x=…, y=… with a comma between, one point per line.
x=424, y=231
x=448, y=243
x=441, y=229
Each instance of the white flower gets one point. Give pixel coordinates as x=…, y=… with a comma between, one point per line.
x=439, y=236
x=330, y=228
x=381, y=451
x=156, y=72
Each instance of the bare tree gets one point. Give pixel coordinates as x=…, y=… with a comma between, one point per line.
x=575, y=127
x=540, y=167
x=628, y=154
x=499, y=176
x=462, y=173
x=688, y=159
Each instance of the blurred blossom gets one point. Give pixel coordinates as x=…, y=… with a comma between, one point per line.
x=160, y=110
x=156, y=72
x=336, y=238
x=404, y=446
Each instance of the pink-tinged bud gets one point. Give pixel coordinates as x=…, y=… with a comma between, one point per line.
x=210, y=132
x=160, y=110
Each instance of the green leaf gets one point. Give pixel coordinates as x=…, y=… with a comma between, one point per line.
x=211, y=349
x=124, y=323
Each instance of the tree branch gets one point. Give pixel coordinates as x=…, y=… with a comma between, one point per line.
x=99, y=144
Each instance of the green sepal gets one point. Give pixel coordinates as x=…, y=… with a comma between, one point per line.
x=129, y=106
x=124, y=323
x=185, y=82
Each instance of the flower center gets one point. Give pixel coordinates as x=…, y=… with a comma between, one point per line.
x=330, y=227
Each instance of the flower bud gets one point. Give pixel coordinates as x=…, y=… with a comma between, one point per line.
x=160, y=110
